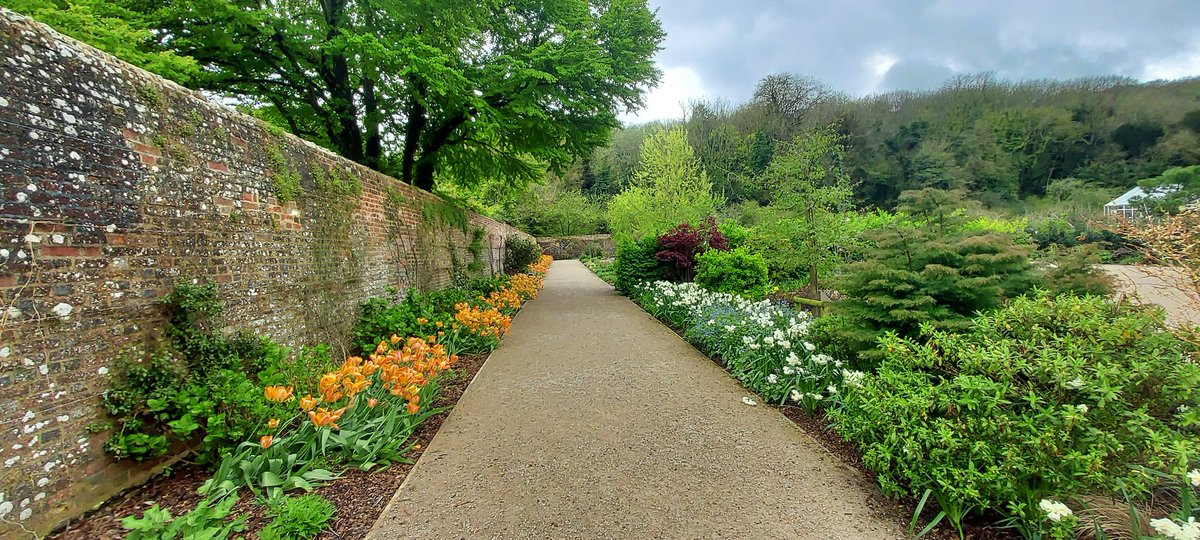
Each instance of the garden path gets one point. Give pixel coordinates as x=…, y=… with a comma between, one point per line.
x=595, y=421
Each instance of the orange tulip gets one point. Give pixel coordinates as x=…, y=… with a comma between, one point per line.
x=273, y=423
x=278, y=393
x=266, y=441
x=413, y=408
x=308, y=402
x=322, y=417
x=372, y=402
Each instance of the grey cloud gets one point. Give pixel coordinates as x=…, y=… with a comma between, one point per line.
x=733, y=43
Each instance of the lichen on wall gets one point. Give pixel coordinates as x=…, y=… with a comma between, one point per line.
x=115, y=186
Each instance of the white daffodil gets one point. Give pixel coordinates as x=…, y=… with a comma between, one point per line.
x=1194, y=477
x=1188, y=530
x=1054, y=510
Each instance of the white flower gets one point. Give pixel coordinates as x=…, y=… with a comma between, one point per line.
x=832, y=389
x=792, y=359
x=785, y=344
x=754, y=346
x=748, y=401
x=1083, y=409
x=796, y=395
x=1184, y=408
x=1189, y=530
x=820, y=359
x=729, y=328
x=852, y=378
x=772, y=378
x=1075, y=383
x=1194, y=477
x=787, y=370
x=1054, y=509
x=817, y=397
x=809, y=347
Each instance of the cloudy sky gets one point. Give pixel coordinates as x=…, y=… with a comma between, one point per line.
x=721, y=48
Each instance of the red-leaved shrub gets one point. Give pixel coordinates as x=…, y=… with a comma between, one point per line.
x=678, y=248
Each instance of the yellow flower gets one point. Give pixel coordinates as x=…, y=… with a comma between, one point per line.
x=279, y=394
x=273, y=423
x=308, y=402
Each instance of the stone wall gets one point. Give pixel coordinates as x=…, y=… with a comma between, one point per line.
x=115, y=186
x=573, y=247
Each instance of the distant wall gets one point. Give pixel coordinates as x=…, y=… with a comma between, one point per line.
x=117, y=185
x=573, y=247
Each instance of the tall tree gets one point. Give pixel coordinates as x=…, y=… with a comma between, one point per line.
x=670, y=188
x=466, y=90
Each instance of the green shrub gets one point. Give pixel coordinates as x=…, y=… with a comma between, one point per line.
x=205, y=388
x=1075, y=271
x=380, y=318
x=636, y=263
x=1049, y=397
x=915, y=276
x=209, y=520
x=735, y=234
x=603, y=268
x=738, y=271
x=519, y=253
x=298, y=518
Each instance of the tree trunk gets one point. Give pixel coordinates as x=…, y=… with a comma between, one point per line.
x=373, y=157
x=415, y=129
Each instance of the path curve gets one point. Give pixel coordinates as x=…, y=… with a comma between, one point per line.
x=595, y=421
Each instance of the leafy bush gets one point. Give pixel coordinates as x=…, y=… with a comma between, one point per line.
x=520, y=252
x=735, y=234
x=205, y=388
x=916, y=276
x=636, y=263
x=739, y=272
x=1075, y=271
x=1046, y=398
x=298, y=518
x=677, y=249
x=207, y=520
x=603, y=268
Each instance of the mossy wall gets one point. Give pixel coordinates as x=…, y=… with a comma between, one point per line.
x=116, y=186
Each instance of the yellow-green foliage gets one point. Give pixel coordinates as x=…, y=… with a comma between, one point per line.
x=670, y=188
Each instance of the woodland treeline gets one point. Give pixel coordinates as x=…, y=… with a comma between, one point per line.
x=1006, y=144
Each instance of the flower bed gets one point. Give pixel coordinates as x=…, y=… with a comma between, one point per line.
x=763, y=344
x=1052, y=417
x=336, y=427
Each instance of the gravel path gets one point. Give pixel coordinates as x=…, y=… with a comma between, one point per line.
x=1157, y=285
x=595, y=421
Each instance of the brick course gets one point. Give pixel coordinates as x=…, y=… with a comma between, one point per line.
x=114, y=186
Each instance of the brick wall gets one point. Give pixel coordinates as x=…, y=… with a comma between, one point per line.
x=574, y=247
x=114, y=186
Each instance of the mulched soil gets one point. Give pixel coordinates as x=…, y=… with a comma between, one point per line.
x=360, y=496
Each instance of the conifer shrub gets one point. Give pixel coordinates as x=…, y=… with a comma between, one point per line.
x=916, y=276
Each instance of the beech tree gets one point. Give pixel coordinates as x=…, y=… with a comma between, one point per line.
x=467, y=90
